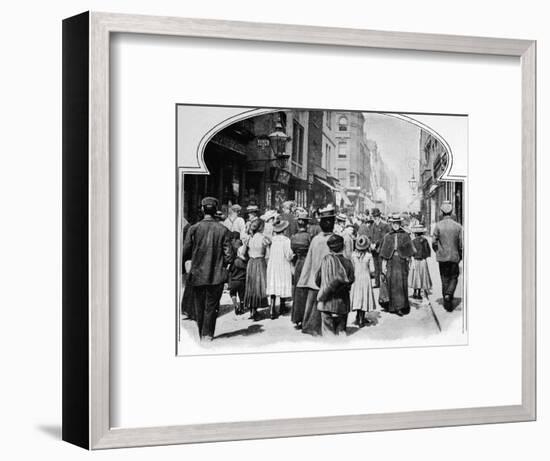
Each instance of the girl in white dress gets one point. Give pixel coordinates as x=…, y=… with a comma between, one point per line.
x=362, y=294
x=279, y=268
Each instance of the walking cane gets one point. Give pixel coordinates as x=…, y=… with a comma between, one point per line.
x=432, y=310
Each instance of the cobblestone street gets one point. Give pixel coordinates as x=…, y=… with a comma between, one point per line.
x=241, y=334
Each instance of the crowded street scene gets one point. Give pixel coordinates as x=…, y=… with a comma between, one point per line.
x=340, y=232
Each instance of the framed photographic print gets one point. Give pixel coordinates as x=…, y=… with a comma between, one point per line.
x=275, y=230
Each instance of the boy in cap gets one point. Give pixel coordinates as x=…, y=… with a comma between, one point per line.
x=334, y=278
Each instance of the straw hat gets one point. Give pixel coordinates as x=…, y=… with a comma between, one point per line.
x=362, y=243
x=327, y=212
x=280, y=226
x=418, y=229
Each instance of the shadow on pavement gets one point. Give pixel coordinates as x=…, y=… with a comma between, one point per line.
x=251, y=330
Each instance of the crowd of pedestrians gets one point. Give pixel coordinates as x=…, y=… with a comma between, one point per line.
x=318, y=268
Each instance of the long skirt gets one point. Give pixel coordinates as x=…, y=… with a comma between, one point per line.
x=312, y=316
x=419, y=275
x=299, y=296
x=397, y=273
x=255, y=295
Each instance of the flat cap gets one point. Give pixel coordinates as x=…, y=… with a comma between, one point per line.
x=209, y=201
x=446, y=207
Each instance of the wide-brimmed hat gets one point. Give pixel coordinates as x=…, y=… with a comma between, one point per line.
x=302, y=215
x=327, y=212
x=280, y=226
x=446, y=207
x=236, y=207
x=209, y=201
x=335, y=243
x=396, y=217
x=269, y=214
x=252, y=208
x=375, y=212
x=362, y=243
x=341, y=217
x=288, y=204
x=418, y=229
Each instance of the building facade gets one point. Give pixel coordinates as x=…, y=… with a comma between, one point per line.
x=434, y=159
x=244, y=168
x=350, y=162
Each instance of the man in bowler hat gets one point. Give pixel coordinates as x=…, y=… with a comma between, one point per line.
x=377, y=230
x=207, y=245
x=447, y=244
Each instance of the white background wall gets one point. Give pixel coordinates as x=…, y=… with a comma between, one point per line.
x=30, y=237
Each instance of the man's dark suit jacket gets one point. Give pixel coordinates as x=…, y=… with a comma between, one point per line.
x=208, y=246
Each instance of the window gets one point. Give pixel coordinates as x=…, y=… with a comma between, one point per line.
x=342, y=176
x=342, y=149
x=297, y=142
x=328, y=119
x=352, y=180
x=343, y=124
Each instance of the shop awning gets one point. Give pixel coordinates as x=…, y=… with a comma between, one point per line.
x=341, y=195
x=325, y=183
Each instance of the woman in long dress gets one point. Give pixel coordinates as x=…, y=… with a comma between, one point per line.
x=362, y=293
x=395, y=251
x=279, y=268
x=256, y=285
x=299, y=243
x=419, y=276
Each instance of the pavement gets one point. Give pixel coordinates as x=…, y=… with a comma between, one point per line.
x=238, y=333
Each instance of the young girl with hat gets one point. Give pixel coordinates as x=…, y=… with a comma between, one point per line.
x=279, y=268
x=419, y=275
x=362, y=293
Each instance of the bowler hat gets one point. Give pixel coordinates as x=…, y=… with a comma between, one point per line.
x=209, y=201
x=335, y=243
x=362, y=243
x=375, y=212
x=280, y=226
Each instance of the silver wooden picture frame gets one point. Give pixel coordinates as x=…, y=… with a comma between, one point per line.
x=86, y=229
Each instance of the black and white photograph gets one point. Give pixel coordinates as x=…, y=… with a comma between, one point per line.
x=316, y=229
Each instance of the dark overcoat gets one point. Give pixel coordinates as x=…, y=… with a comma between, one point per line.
x=376, y=233
x=207, y=245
